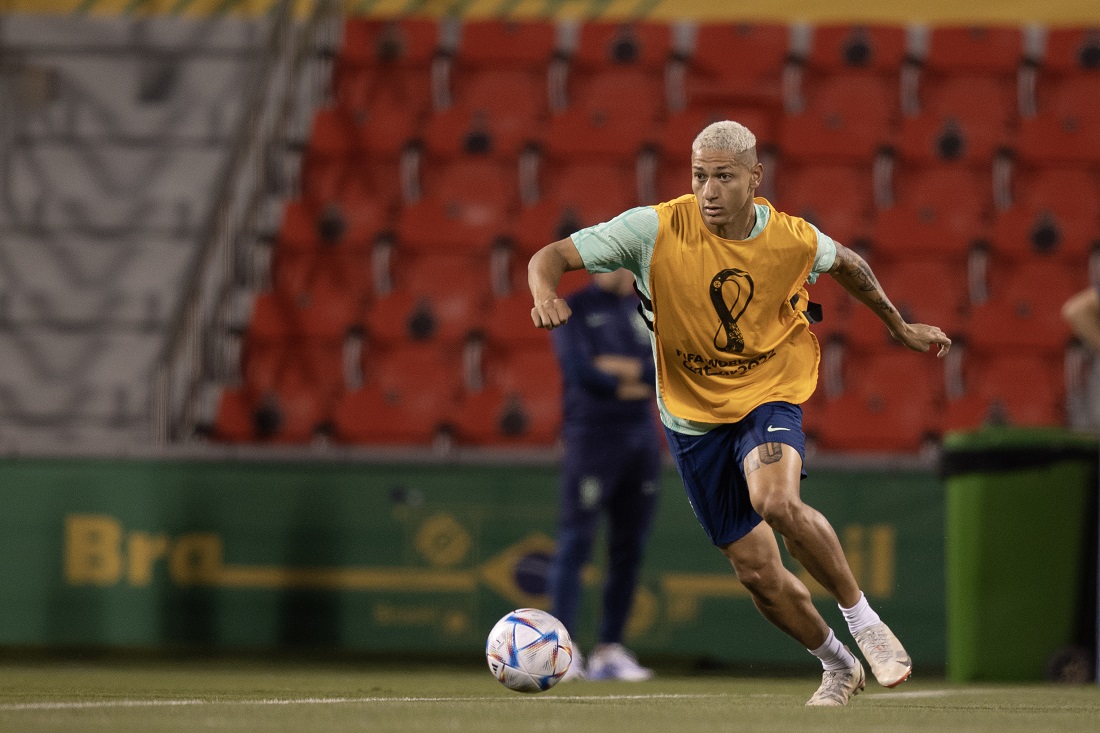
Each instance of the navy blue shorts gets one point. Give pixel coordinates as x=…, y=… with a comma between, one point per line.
x=712, y=467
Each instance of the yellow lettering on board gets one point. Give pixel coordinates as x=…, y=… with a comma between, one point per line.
x=196, y=559
x=93, y=551
x=143, y=550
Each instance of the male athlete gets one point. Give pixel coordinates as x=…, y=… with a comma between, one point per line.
x=722, y=279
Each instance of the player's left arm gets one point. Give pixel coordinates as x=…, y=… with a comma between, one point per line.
x=855, y=275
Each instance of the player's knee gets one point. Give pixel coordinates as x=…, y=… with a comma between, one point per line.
x=760, y=580
x=780, y=511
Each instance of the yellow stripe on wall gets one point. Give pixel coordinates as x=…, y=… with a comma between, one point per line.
x=993, y=12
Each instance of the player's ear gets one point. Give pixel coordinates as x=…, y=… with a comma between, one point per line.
x=756, y=176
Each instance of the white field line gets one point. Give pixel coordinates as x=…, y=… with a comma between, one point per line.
x=915, y=694
x=193, y=702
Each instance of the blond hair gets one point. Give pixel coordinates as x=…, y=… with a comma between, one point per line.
x=727, y=136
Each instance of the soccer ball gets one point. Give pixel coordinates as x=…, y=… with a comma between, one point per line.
x=529, y=650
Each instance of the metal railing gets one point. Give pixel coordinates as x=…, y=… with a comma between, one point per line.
x=177, y=377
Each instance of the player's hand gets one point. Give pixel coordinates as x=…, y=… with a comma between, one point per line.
x=920, y=337
x=551, y=313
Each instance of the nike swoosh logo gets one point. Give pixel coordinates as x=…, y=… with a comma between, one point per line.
x=773, y=429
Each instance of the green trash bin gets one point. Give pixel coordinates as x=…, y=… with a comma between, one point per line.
x=1020, y=505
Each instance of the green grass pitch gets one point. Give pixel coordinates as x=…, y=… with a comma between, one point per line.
x=314, y=697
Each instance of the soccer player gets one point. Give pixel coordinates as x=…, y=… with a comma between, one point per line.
x=612, y=463
x=722, y=279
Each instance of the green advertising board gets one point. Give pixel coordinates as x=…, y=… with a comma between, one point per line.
x=398, y=557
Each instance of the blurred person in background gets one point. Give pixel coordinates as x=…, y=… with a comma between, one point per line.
x=611, y=467
x=1082, y=313
x=722, y=276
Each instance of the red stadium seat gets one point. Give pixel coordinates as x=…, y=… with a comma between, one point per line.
x=994, y=394
x=369, y=41
x=835, y=198
x=325, y=179
x=234, y=422
x=301, y=408
x=466, y=205
x=963, y=117
x=292, y=271
x=1023, y=313
x=879, y=411
x=611, y=115
x=295, y=271
x=761, y=52
x=646, y=45
x=376, y=416
x=989, y=49
x=847, y=118
x=574, y=196
x=495, y=417
x=525, y=371
x=270, y=321
x=509, y=44
x=1069, y=50
x=409, y=395
x=845, y=47
x=939, y=211
x=508, y=324
x=1067, y=127
x=495, y=111
x=324, y=312
x=387, y=106
x=332, y=135
x=449, y=295
x=298, y=229
x=1055, y=212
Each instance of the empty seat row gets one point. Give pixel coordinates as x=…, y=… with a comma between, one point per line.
x=828, y=47
x=469, y=206
x=891, y=401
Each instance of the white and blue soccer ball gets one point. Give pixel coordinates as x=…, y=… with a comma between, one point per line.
x=529, y=650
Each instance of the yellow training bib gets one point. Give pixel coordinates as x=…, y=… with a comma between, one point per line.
x=728, y=336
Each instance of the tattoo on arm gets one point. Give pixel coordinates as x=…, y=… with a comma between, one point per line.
x=855, y=275
x=763, y=455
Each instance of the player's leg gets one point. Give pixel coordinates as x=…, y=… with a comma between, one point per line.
x=578, y=517
x=630, y=509
x=784, y=600
x=773, y=472
x=775, y=591
x=709, y=465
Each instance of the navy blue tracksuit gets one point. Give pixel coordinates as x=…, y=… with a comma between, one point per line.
x=612, y=457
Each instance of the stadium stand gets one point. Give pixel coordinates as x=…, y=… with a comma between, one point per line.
x=388, y=304
x=115, y=132
x=905, y=143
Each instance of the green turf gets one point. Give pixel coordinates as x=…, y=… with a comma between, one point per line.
x=252, y=696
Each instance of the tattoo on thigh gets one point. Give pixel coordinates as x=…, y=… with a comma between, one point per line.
x=771, y=453
x=764, y=455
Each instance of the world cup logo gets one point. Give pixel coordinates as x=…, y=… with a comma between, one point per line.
x=730, y=292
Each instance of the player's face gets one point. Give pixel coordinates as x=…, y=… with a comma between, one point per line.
x=724, y=185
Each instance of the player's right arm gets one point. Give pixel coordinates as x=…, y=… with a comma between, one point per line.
x=1082, y=313
x=544, y=272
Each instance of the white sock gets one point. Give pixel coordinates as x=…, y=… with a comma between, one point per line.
x=859, y=616
x=833, y=654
